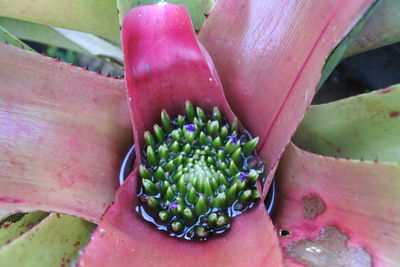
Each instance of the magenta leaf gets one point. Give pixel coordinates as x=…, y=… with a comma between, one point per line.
x=337, y=210
x=64, y=131
x=270, y=55
x=165, y=66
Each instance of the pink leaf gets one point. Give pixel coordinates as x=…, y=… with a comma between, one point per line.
x=63, y=131
x=165, y=66
x=336, y=210
x=270, y=55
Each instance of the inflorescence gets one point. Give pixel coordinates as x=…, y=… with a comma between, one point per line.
x=198, y=172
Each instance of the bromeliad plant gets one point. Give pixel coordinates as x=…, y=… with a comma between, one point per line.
x=198, y=173
x=64, y=131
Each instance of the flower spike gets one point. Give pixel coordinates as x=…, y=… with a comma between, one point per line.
x=201, y=176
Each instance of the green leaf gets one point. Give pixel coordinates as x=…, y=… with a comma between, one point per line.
x=382, y=29
x=55, y=241
x=362, y=127
x=72, y=40
x=338, y=53
x=92, y=16
x=197, y=8
x=17, y=224
x=6, y=36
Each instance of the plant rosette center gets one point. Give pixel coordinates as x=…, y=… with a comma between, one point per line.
x=198, y=172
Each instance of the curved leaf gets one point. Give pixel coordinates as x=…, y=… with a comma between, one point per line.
x=94, y=16
x=336, y=210
x=63, y=133
x=55, y=241
x=197, y=8
x=7, y=37
x=362, y=127
x=77, y=41
x=164, y=67
x=17, y=224
x=270, y=55
x=337, y=54
x=382, y=29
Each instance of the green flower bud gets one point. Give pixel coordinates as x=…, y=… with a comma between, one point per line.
x=201, y=115
x=144, y=173
x=203, y=139
x=217, y=115
x=189, y=111
x=220, y=201
x=192, y=197
x=163, y=152
x=188, y=216
x=245, y=196
x=201, y=206
x=177, y=226
x=212, y=128
x=164, y=216
x=250, y=146
x=151, y=156
x=169, y=195
x=212, y=219
x=152, y=202
x=231, y=194
x=176, y=134
x=159, y=174
x=181, y=121
x=149, y=187
x=166, y=121
x=148, y=138
x=159, y=133
x=201, y=232
x=222, y=221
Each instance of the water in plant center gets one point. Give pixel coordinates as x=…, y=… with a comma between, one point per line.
x=198, y=172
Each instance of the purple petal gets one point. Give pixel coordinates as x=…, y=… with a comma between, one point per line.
x=190, y=127
x=233, y=138
x=243, y=176
x=173, y=205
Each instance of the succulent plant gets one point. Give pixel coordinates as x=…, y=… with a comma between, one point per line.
x=65, y=130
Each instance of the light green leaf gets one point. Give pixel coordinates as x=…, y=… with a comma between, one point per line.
x=53, y=242
x=382, y=29
x=17, y=224
x=361, y=127
x=196, y=8
x=84, y=43
x=6, y=36
x=93, y=16
x=37, y=33
x=338, y=53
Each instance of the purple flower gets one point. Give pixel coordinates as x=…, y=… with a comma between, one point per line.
x=233, y=138
x=243, y=176
x=173, y=205
x=190, y=127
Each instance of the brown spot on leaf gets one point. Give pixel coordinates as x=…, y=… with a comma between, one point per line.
x=77, y=244
x=385, y=91
x=329, y=249
x=6, y=225
x=313, y=206
x=394, y=114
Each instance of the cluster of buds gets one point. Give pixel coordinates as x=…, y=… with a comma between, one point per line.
x=197, y=173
